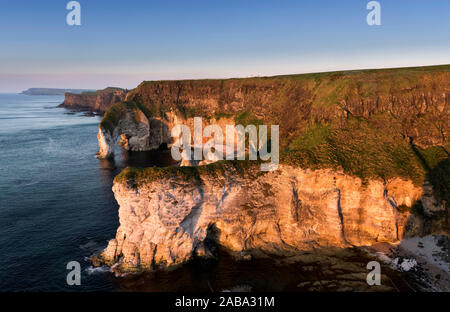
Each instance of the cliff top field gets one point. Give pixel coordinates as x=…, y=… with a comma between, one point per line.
x=381, y=124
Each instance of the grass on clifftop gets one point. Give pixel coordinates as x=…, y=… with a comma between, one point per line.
x=116, y=112
x=138, y=176
x=367, y=151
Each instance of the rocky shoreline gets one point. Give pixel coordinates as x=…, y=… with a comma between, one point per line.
x=425, y=259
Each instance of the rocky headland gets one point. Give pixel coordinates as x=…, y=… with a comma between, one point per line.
x=93, y=101
x=364, y=161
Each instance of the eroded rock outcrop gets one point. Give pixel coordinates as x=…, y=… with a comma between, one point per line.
x=139, y=132
x=165, y=217
x=94, y=101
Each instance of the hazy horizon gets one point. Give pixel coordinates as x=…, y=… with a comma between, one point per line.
x=122, y=44
x=199, y=78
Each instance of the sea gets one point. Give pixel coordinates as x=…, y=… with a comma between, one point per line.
x=56, y=201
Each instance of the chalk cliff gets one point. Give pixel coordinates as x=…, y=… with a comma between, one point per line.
x=142, y=132
x=168, y=217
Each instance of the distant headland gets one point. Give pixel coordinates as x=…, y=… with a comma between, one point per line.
x=52, y=91
x=94, y=101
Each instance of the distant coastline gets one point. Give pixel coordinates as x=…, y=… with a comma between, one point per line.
x=52, y=91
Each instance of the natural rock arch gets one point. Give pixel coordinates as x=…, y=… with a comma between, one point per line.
x=137, y=132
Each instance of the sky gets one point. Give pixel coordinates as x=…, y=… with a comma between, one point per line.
x=122, y=43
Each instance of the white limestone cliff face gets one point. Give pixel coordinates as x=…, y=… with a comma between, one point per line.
x=165, y=221
x=136, y=132
x=139, y=133
x=106, y=142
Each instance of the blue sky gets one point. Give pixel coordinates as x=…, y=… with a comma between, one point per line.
x=121, y=43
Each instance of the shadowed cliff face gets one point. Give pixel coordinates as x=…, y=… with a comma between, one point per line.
x=98, y=101
x=137, y=132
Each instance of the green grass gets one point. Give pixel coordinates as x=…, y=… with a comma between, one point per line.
x=219, y=115
x=247, y=118
x=437, y=164
x=113, y=115
x=135, y=177
x=89, y=93
x=116, y=112
x=361, y=149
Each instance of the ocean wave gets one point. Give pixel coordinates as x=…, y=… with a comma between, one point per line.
x=97, y=270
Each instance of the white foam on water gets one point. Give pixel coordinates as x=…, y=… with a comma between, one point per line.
x=97, y=270
x=408, y=264
x=427, y=248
